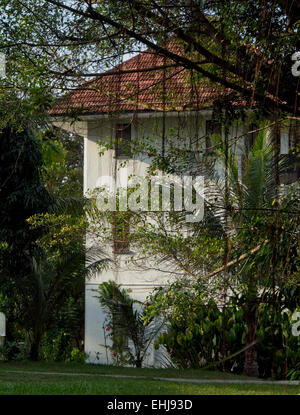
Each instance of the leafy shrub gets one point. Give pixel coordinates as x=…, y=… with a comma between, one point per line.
x=55, y=345
x=199, y=334
x=294, y=374
x=125, y=321
x=12, y=350
x=195, y=335
x=278, y=349
x=77, y=356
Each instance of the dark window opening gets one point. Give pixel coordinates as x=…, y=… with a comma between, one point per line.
x=123, y=138
x=121, y=244
x=290, y=167
x=294, y=136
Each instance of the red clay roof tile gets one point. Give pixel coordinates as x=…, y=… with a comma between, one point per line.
x=138, y=85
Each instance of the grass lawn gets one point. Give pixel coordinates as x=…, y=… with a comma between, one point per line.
x=14, y=382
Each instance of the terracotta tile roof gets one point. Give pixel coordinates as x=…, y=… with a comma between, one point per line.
x=143, y=85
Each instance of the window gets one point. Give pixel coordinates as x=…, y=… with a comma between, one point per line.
x=294, y=135
x=121, y=244
x=123, y=138
x=289, y=141
x=212, y=128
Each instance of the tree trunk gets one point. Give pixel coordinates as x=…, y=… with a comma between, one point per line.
x=35, y=347
x=250, y=362
x=138, y=361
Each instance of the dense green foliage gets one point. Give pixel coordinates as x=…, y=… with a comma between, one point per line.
x=63, y=163
x=198, y=334
x=42, y=254
x=22, y=190
x=246, y=46
x=22, y=195
x=125, y=321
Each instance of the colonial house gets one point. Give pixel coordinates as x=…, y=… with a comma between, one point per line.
x=144, y=98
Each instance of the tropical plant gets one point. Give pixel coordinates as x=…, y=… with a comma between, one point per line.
x=265, y=219
x=58, y=272
x=260, y=220
x=257, y=222
x=63, y=163
x=125, y=321
x=200, y=333
x=194, y=327
x=22, y=194
x=42, y=255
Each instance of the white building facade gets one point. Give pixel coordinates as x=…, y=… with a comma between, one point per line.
x=112, y=105
x=99, y=163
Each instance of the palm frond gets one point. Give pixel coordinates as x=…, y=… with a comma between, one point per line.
x=71, y=205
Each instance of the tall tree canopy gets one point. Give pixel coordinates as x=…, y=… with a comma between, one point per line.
x=22, y=193
x=243, y=45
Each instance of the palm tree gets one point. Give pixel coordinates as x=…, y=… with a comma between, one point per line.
x=48, y=287
x=263, y=220
x=126, y=319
